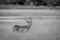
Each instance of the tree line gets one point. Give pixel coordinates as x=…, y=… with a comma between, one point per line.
x=32, y=2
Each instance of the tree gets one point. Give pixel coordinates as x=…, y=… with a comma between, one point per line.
x=52, y=2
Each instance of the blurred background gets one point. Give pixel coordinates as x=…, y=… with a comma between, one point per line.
x=31, y=2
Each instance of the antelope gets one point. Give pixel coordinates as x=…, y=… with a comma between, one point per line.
x=26, y=27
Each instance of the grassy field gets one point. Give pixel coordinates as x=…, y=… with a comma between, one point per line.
x=46, y=24
x=42, y=29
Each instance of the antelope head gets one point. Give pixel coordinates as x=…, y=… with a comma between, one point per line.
x=29, y=21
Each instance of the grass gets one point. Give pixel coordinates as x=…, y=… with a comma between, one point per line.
x=27, y=7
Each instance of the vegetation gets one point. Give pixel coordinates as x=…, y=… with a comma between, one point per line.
x=31, y=2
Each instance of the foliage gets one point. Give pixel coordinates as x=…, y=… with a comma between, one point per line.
x=31, y=2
